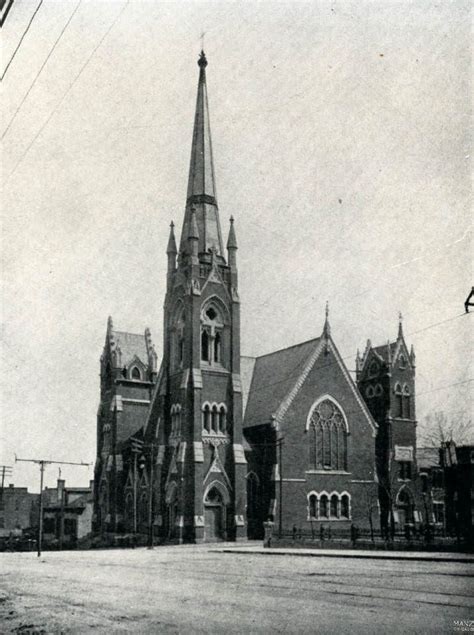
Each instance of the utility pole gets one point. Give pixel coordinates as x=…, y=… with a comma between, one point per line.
x=137, y=447
x=42, y=463
x=279, y=443
x=6, y=472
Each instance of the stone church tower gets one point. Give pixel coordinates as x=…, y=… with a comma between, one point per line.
x=386, y=381
x=195, y=422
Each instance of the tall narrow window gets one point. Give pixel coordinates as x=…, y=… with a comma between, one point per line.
x=217, y=347
x=313, y=501
x=334, y=505
x=215, y=419
x=345, y=506
x=136, y=373
x=206, y=418
x=204, y=346
x=222, y=420
x=398, y=401
x=323, y=506
x=406, y=402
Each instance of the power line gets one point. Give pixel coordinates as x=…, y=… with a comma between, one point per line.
x=58, y=106
x=41, y=68
x=21, y=39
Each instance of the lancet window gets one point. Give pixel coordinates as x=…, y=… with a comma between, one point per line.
x=327, y=437
x=211, y=336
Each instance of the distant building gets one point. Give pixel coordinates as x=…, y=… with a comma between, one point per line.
x=17, y=510
x=67, y=513
x=458, y=466
x=432, y=487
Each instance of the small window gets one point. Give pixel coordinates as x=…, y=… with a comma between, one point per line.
x=323, y=506
x=369, y=392
x=136, y=374
x=405, y=470
x=402, y=362
x=378, y=391
x=211, y=313
x=222, y=420
x=217, y=348
x=373, y=369
x=334, y=506
x=438, y=512
x=206, y=418
x=345, y=506
x=313, y=501
x=215, y=419
x=204, y=346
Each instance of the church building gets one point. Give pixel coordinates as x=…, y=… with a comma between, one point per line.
x=205, y=444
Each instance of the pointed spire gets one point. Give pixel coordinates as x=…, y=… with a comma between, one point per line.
x=400, y=325
x=232, y=240
x=201, y=183
x=358, y=361
x=327, y=327
x=171, y=249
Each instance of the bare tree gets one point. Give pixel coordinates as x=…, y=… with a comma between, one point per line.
x=439, y=428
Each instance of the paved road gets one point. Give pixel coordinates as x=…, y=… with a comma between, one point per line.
x=190, y=589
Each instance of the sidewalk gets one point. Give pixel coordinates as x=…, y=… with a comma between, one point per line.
x=413, y=556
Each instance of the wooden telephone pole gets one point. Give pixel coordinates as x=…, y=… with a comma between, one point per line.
x=42, y=463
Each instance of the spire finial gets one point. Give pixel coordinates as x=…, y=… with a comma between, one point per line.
x=171, y=249
x=327, y=328
x=202, y=61
x=400, y=324
x=232, y=240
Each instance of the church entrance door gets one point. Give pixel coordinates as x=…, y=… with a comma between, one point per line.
x=213, y=515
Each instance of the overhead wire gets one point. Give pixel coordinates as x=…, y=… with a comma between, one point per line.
x=69, y=88
x=40, y=70
x=21, y=39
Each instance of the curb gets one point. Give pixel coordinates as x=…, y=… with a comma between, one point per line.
x=361, y=556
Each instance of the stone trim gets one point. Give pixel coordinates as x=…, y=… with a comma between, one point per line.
x=116, y=403
x=239, y=520
x=161, y=455
x=129, y=400
x=181, y=452
x=197, y=378
x=239, y=454
x=199, y=521
x=236, y=383
x=198, y=452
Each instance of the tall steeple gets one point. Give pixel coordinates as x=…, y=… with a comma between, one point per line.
x=201, y=193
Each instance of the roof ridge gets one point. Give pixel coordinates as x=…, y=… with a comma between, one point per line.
x=287, y=348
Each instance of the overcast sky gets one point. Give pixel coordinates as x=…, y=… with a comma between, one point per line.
x=341, y=147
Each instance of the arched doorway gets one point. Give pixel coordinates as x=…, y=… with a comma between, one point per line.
x=214, y=515
x=405, y=507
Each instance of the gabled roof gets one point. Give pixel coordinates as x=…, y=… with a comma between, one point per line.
x=131, y=345
x=382, y=351
x=274, y=375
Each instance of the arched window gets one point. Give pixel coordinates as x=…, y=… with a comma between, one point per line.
x=206, y=418
x=328, y=437
x=313, y=506
x=334, y=506
x=204, y=345
x=402, y=361
x=406, y=402
x=369, y=392
x=398, y=401
x=212, y=325
x=373, y=369
x=222, y=419
x=215, y=418
x=136, y=374
x=378, y=390
x=323, y=506
x=345, y=506
x=217, y=347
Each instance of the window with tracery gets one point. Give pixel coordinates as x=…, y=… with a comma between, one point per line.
x=328, y=437
x=211, y=336
x=176, y=420
x=334, y=506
